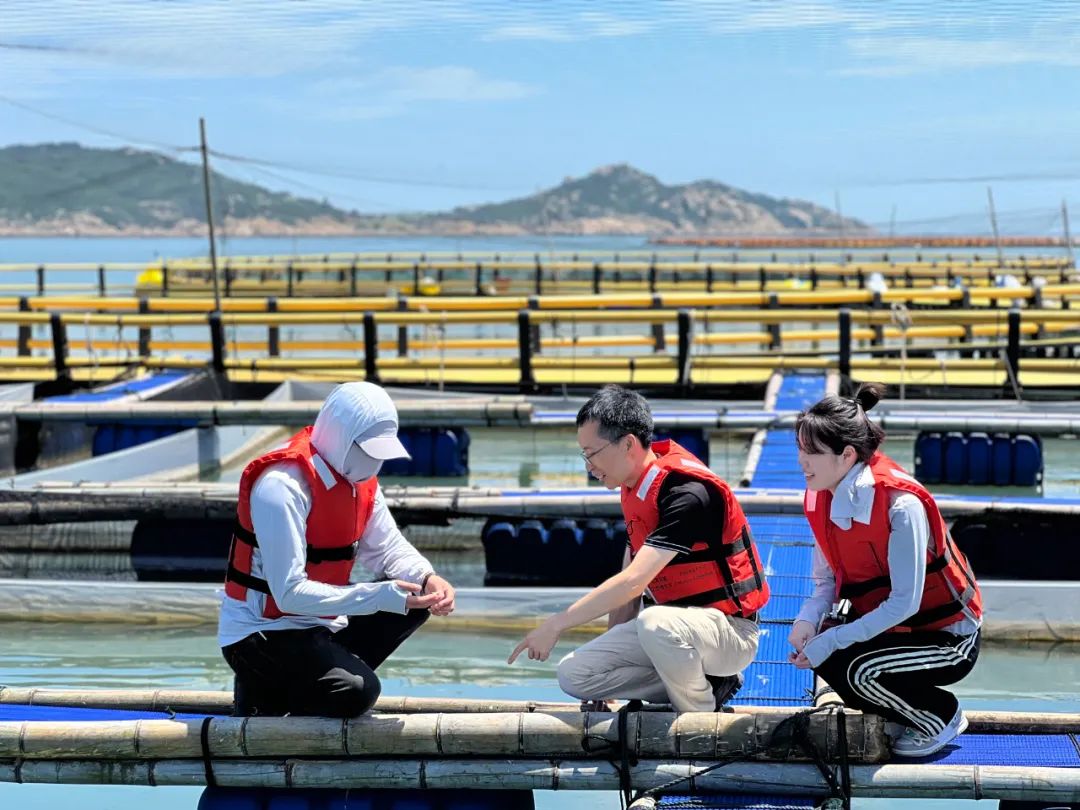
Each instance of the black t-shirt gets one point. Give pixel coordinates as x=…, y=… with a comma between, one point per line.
x=690, y=512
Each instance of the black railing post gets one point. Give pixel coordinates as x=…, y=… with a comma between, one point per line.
x=164, y=280
x=774, y=328
x=813, y=277
x=527, y=381
x=60, y=346
x=41, y=279
x=686, y=327
x=352, y=279
x=708, y=278
x=538, y=276
x=371, y=348
x=652, y=275
x=879, y=329
x=659, y=341
x=1012, y=353
x=537, y=346
x=416, y=278
x=289, y=273
x=844, y=340
x=273, y=332
x=479, y=284
x=144, y=331
x=23, y=339
x=217, y=342
x=403, y=330
x=597, y=278
x=101, y=281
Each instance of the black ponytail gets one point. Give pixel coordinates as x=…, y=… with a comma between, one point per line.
x=836, y=422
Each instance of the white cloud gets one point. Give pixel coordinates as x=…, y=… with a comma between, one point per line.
x=581, y=26
x=390, y=91
x=204, y=38
x=544, y=32
x=904, y=56
x=735, y=17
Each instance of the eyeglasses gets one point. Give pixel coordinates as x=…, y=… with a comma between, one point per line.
x=588, y=457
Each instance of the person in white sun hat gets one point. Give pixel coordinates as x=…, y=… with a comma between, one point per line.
x=301, y=638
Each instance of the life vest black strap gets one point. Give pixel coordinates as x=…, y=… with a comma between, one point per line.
x=320, y=554
x=234, y=574
x=315, y=554
x=731, y=592
x=244, y=535
x=853, y=590
x=715, y=551
x=931, y=615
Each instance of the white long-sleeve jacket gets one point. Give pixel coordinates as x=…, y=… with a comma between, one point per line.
x=280, y=504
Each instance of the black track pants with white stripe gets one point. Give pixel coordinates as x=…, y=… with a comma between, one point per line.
x=900, y=675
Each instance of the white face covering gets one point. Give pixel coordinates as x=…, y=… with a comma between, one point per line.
x=359, y=466
x=357, y=414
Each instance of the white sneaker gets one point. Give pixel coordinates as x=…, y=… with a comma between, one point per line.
x=913, y=743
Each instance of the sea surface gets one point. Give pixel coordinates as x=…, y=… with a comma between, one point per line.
x=434, y=663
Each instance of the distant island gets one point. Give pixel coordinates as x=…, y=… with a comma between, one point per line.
x=64, y=189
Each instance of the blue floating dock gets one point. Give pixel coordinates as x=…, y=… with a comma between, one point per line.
x=785, y=544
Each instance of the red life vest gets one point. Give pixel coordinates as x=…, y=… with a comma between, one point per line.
x=859, y=556
x=339, y=514
x=722, y=571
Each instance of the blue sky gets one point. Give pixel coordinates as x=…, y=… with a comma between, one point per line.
x=426, y=104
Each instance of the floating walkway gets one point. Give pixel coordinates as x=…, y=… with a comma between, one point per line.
x=785, y=544
x=496, y=274
x=529, y=350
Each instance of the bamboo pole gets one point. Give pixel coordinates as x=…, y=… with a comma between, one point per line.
x=75, y=503
x=921, y=781
x=221, y=702
x=515, y=412
x=764, y=736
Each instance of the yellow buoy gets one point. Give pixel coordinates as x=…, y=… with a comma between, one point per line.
x=150, y=277
x=429, y=286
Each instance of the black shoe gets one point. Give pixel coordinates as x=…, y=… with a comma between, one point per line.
x=724, y=688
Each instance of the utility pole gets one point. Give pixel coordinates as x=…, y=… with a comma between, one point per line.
x=209, y=214
x=994, y=225
x=1068, y=236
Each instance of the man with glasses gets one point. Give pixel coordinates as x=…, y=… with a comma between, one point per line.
x=689, y=546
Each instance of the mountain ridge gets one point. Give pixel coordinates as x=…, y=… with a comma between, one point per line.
x=67, y=189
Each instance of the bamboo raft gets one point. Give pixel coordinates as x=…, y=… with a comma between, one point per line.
x=425, y=743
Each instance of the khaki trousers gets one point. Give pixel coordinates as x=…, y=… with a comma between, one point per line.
x=661, y=656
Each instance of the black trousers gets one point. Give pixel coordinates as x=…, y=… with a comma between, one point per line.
x=315, y=672
x=899, y=676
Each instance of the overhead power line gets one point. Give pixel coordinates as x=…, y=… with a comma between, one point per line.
x=127, y=139
x=347, y=174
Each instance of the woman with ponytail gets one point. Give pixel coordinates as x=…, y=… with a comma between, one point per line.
x=882, y=547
